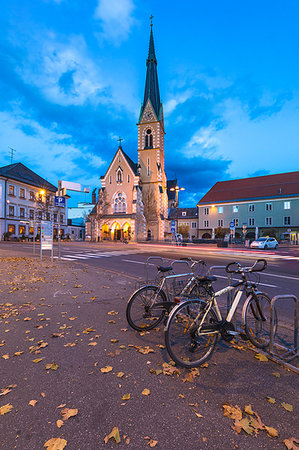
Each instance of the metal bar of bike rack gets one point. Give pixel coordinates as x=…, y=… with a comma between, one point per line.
x=148, y=264
x=229, y=280
x=271, y=343
x=182, y=261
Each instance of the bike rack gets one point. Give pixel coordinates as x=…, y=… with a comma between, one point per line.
x=229, y=279
x=290, y=353
x=148, y=263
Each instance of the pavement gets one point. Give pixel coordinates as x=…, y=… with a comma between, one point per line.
x=71, y=368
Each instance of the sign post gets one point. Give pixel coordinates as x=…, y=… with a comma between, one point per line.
x=172, y=225
x=232, y=230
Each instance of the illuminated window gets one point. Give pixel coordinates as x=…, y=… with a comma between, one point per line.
x=32, y=196
x=287, y=205
x=220, y=209
x=235, y=208
x=31, y=214
x=21, y=229
x=11, y=190
x=11, y=229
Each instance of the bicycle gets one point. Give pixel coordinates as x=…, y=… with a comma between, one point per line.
x=193, y=327
x=149, y=305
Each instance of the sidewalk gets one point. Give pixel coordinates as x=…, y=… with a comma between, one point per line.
x=60, y=324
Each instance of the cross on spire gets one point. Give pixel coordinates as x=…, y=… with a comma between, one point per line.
x=151, y=17
x=119, y=140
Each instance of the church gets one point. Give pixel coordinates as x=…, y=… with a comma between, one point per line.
x=132, y=203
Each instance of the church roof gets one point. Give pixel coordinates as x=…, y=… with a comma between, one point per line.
x=151, y=91
x=21, y=173
x=130, y=162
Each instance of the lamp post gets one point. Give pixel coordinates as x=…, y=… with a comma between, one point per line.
x=176, y=189
x=40, y=196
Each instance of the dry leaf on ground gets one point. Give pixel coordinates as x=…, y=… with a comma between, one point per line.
x=52, y=366
x=113, y=435
x=291, y=443
x=287, y=406
x=261, y=357
x=32, y=402
x=151, y=442
x=146, y=392
x=59, y=423
x=5, y=409
x=55, y=444
x=106, y=369
x=126, y=397
x=68, y=412
x=7, y=389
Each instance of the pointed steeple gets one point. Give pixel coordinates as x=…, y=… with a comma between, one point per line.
x=151, y=91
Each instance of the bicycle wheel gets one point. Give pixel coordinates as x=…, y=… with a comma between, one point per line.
x=201, y=291
x=257, y=320
x=188, y=344
x=141, y=314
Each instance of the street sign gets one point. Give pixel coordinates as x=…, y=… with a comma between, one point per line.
x=232, y=225
x=172, y=225
x=244, y=228
x=60, y=202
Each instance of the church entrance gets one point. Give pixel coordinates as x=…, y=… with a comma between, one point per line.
x=105, y=231
x=149, y=235
x=127, y=231
x=116, y=232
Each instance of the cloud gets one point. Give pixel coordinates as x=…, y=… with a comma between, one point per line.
x=116, y=18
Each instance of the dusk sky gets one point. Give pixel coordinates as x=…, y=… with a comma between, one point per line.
x=72, y=76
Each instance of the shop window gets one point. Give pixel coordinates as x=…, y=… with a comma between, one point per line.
x=11, y=229
x=22, y=229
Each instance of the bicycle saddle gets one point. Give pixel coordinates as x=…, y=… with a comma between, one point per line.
x=207, y=279
x=164, y=269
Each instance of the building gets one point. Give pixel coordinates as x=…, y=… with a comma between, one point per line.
x=25, y=200
x=186, y=221
x=132, y=202
x=266, y=205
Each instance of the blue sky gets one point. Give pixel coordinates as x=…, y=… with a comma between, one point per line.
x=72, y=76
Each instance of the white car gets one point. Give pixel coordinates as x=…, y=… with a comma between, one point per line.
x=264, y=242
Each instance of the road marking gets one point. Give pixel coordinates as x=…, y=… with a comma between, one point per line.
x=74, y=256
x=136, y=262
x=235, y=279
x=281, y=276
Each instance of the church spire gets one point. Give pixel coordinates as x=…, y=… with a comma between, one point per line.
x=151, y=91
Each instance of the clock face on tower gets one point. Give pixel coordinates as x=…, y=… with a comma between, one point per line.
x=149, y=115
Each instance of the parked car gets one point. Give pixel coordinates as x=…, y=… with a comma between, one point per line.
x=264, y=242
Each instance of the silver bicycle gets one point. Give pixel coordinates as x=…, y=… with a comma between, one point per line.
x=194, y=326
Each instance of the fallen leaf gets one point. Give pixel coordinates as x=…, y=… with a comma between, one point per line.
x=126, y=397
x=188, y=377
x=106, y=369
x=291, y=443
x=55, y=444
x=37, y=360
x=52, y=366
x=7, y=389
x=271, y=400
x=59, y=423
x=120, y=374
x=32, y=402
x=113, y=435
x=271, y=431
x=113, y=341
x=88, y=330
x=61, y=406
x=276, y=374
x=146, y=392
x=112, y=313
x=248, y=409
x=170, y=370
x=287, y=406
x=68, y=412
x=233, y=412
x=111, y=321
x=198, y=415
x=151, y=442
x=5, y=356
x=17, y=353
x=261, y=357
x=93, y=343
x=5, y=409
x=43, y=394
x=70, y=344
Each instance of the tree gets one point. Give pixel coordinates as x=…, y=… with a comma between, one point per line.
x=184, y=231
x=101, y=209
x=220, y=232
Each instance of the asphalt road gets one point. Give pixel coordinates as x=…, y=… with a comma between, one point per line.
x=280, y=278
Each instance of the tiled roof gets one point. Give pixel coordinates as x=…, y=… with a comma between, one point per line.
x=177, y=213
x=269, y=186
x=21, y=173
x=131, y=163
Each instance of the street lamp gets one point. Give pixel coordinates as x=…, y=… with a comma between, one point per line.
x=177, y=189
x=39, y=196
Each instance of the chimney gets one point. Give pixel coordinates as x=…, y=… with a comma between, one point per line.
x=93, y=197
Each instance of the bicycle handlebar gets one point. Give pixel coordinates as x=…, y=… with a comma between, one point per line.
x=241, y=269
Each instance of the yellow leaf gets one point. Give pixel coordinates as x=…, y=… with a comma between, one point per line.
x=32, y=402
x=5, y=356
x=59, y=423
x=261, y=357
x=92, y=298
x=271, y=431
x=126, y=397
x=106, y=369
x=111, y=321
x=271, y=400
x=37, y=360
x=61, y=406
x=151, y=442
x=52, y=366
x=248, y=409
x=112, y=313
x=188, y=377
x=113, y=435
x=92, y=343
x=181, y=396
x=246, y=425
x=276, y=374
x=43, y=394
x=88, y=330
x=5, y=409
x=291, y=443
x=17, y=353
x=146, y=392
x=233, y=412
x=7, y=389
x=67, y=413
x=113, y=341
x=120, y=374
x=198, y=415
x=287, y=406
x=55, y=444
x=72, y=318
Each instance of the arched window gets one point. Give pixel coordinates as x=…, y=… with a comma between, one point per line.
x=148, y=142
x=120, y=203
x=119, y=175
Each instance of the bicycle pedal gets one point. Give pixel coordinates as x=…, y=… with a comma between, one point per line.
x=243, y=336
